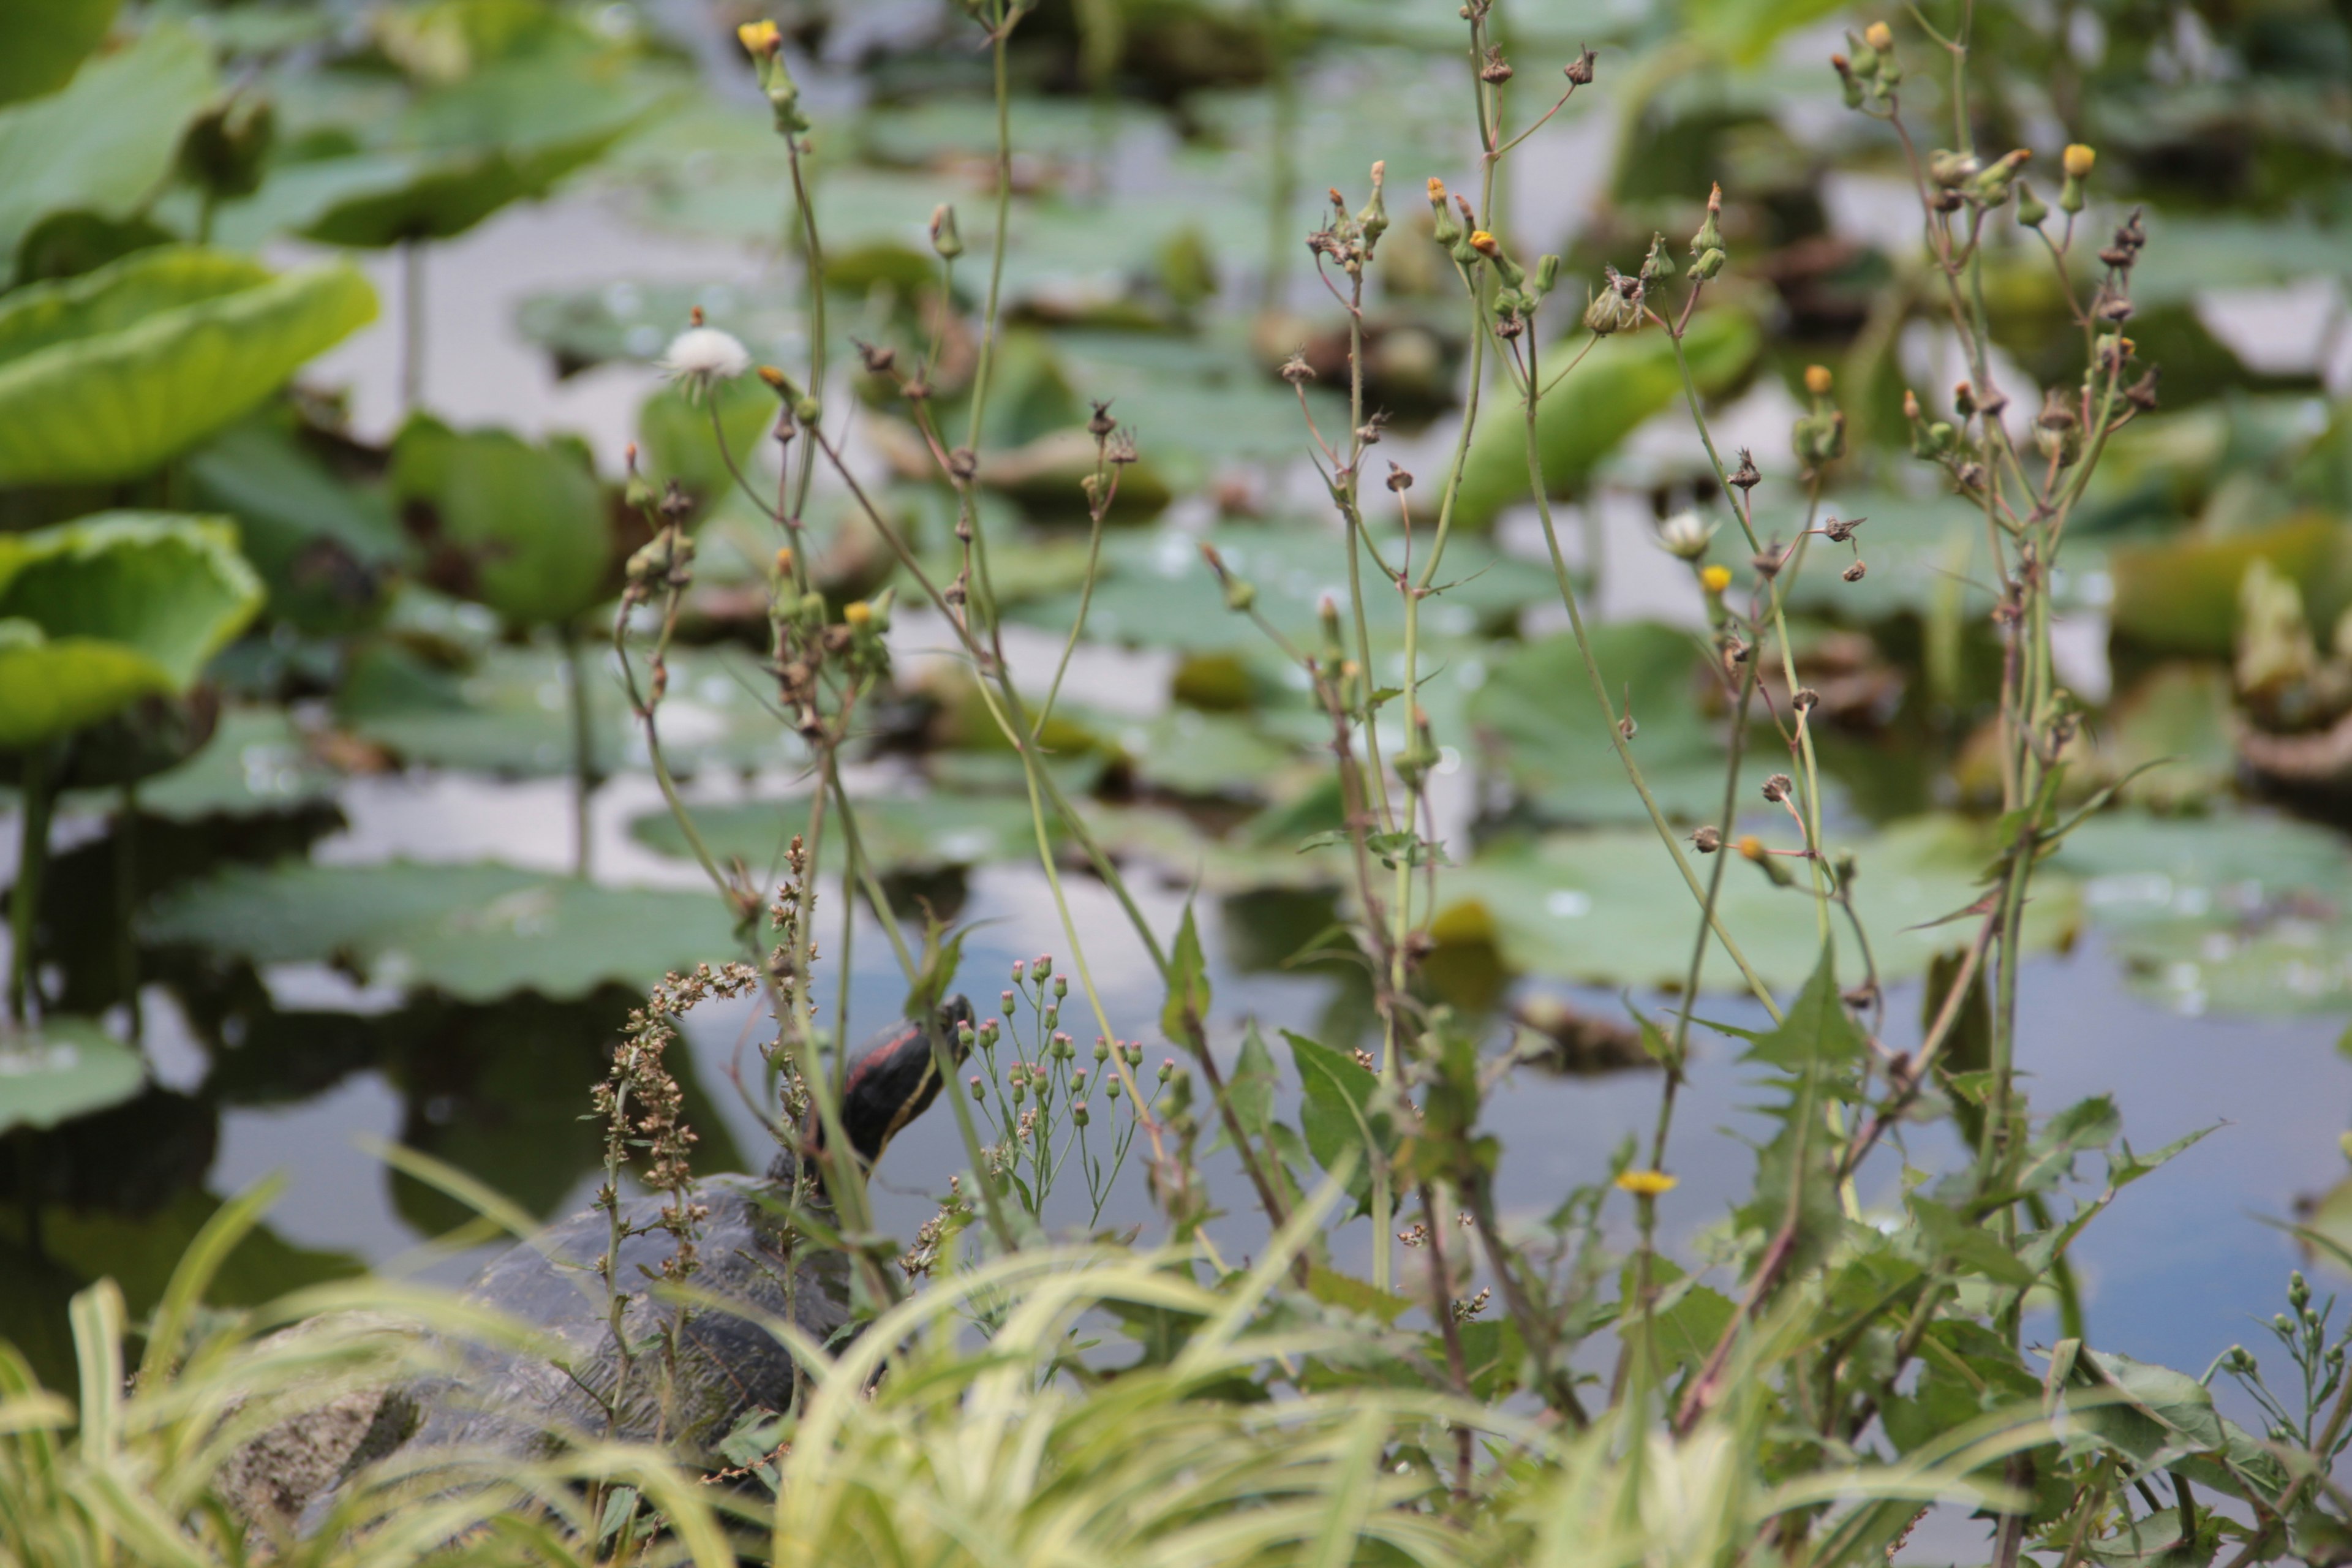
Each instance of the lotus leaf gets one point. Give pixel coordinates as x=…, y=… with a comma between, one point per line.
x=2181, y=595
x=897, y=832
x=2234, y=912
x=106, y=141
x=520, y=528
x=1622, y=383
x=510, y=713
x=46, y=40
x=104, y=377
x=472, y=932
x=508, y=131
x=1607, y=907
x=322, y=543
x=1536, y=710
x=1157, y=591
x=97, y=612
x=64, y=1068
x=255, y=762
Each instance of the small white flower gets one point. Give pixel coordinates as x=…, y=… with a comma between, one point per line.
x=1684, y=535
x=700, y=357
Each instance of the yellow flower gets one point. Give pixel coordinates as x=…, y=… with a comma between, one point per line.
x=784, y=561
x=1483, y=243
x=1436, y=189
x=759, y=39
x=1879, y=36
x=1645, y=1184
x=1714, y=579
x=858, y=613
x=2079, y=160
x=1751, y=846
x=1817, y=379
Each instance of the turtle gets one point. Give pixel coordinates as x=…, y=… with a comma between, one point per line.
x=729, y=1368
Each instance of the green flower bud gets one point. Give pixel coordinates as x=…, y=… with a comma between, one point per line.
x=2032, y=211
x=1547, y=273
x=946, y=242
x=1705, y=269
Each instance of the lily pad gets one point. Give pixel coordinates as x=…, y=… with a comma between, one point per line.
x=898, y=833
x=256, y=761
x=2233, y=913
x=105, y=376
x=1536, y=711
x=323, y=545
x=635, y=320
x=472, y=932
x=1606, y=907
x=1156, y=591
x=520, y=528
x=107, y=140
x=97, y=613
x=61, y=1069
x=1622, y=383
x=2181, y=595
x=508, y=131
x=46, y=40
x=511, y=713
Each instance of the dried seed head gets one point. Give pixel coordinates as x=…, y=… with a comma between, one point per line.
x=1806, y=699
x=878, y=361
x=1706, y=840
x=1102, y=423
x=1776, y=788
x=1766, y=561
x=963, y=463
x=1746, y=476
x=1295, y=369
x=1497, y=71
x=1854, y=573
x=1399, y=480
x=1839, y=529
x=1578, y=71
x=1684, y=535
x=2141, y=393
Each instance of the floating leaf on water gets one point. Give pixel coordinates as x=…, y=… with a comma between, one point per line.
x=1607, y=907
x=322, y=543
x=898, y=833
x=103, y=377
x=510, y=713
x=2181, y=595
x=255, y=762
x=2230, y=913
x=97, y=613
x=48, y=41
x=521, y=528
x=1538, y=713
x=64, y=1068
x=472, y=932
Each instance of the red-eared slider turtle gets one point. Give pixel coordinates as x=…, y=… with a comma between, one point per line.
x=728, y=1367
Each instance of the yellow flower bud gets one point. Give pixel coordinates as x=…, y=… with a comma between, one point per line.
x=1751, y=846
x=784, y=561
x=1714, y=579
x=1436, y=189
x=1645, y=1184
x=2079, y=160
x=1817, y=379
x=1483, y=243
x=858, y=613
x=1879, y=36
x=759, y=39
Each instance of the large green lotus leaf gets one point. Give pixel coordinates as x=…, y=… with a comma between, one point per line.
x=1157, y=592
x=2181, y=595
x=472, y=932
x=1197, y=753
x=1536, y=711
x=511, y=713
x=63, y=1067
x=2232, y=913
x=1607, y=907
x=675, y=439
x=1206, y=399
x=1190, y=855
x=2181, y=718
x=528, y=524
x=505, y=132
x=104, y=377
x=898, y=833
x=47, y=39
x=1622, y=383
x=322, y=543
x=96, y=614
x=107, y=141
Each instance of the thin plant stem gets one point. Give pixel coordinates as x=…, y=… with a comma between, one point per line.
x=32, y=860
x=584, y=749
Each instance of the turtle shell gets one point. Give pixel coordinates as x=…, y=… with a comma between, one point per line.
x=580, y=1387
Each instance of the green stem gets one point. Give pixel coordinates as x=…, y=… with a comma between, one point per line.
x=126, y=904
x=32, y=857
x=584, y=749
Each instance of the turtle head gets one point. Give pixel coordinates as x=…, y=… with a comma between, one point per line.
x=894, y=1078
